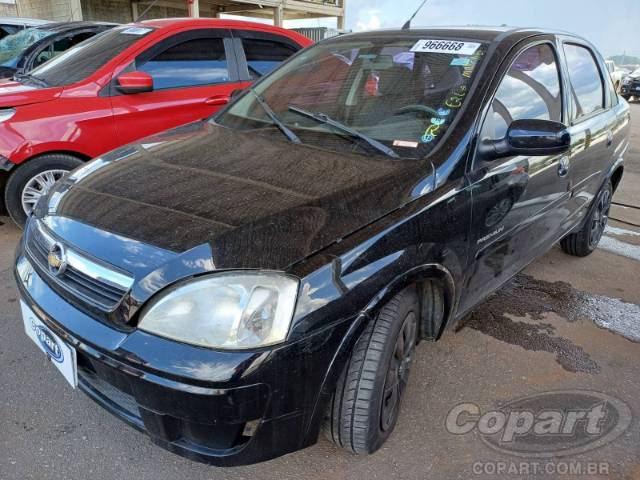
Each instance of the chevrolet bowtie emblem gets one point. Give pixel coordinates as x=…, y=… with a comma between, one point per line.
x=57, y=259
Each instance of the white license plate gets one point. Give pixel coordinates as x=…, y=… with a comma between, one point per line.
x=61, y=355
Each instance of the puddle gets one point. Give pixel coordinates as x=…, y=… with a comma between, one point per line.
x=526, y=296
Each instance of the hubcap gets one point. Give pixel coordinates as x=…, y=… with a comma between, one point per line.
x=38, y=186
x=600, y=218
x=398, y=373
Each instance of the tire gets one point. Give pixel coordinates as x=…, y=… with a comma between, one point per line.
x=55, y=165
x=627, y=97
x=361, y=416
x=585, y=241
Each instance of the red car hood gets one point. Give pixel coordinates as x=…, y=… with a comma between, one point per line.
x=14, y=94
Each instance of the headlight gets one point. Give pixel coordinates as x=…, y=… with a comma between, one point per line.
x=235, y=310
x=6, y=114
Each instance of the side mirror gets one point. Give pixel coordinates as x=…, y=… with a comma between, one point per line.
x=134, y=82
x=530, y=138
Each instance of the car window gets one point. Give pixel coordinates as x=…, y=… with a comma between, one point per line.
x=265, y=55
x=13, y=45
x=201, y=61
x=59, y=46
x=529, y=90
x=87, y=57
x=587, y=89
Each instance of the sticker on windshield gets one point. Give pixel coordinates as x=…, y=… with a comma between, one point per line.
x=460, y=62
x=136, y=31
x=445, y=46
x=405, y=144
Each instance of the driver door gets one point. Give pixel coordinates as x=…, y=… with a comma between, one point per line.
x=519, y=202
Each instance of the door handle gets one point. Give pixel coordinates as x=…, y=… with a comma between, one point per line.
x=217, y=100
x=563, y=166
x=609, y=138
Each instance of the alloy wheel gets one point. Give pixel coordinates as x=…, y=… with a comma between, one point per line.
x=398, y=372
x=38, y=186
x=600, y=218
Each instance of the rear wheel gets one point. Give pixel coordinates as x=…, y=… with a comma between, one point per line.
x=585, y=241
x=366, y=404
x=33, y=179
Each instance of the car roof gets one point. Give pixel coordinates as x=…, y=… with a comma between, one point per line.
x=482, y=33
x=195, y=22
x=28, y=22
x=64, y=26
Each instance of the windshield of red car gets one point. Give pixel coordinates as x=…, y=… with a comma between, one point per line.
x=402, y=93
x=87, y=57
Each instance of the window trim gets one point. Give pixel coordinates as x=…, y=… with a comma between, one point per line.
x=574, y=119
x=486, y=107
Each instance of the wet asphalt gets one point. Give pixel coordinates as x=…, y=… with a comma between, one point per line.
x=564, y=323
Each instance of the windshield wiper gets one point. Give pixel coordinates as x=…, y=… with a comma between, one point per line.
x=37, y=80
x=274, y=118
x=323, y=118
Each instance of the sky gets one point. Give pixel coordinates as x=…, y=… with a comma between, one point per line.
x=612, y=25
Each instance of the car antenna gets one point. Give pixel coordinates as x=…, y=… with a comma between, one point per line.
x=139, y=17
x=407, y=25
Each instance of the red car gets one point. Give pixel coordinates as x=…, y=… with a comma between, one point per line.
x=127, y=83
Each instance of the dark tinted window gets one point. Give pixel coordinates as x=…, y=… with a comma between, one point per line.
x=530, y=90
x=265, y=55
x=586, y=82
x=200, y=61
x=85, y=59
x=59, y=46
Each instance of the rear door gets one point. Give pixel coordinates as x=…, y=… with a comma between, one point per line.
x=519, y=202
x=592, y=122
x=194, y=73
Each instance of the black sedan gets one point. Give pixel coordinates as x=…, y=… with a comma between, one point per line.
x=234, y=286
x=31, y=47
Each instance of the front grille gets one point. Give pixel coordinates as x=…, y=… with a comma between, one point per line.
x=97, y=284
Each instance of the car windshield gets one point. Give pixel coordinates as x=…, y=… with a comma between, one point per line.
x=395, y=97
x=87, y=57
x=12, y=46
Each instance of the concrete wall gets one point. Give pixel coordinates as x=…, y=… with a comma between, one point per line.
x=8, y=9
x=57, y=10
x=120, y=11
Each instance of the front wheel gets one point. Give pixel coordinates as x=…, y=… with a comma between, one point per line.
x=33, y=179
x=366, y=404
x=585, y=241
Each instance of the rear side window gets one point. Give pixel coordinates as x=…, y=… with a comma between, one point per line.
x=86, y=58
x=265, y=55
x=201, y=61
x=529, y=90
x=587, y=90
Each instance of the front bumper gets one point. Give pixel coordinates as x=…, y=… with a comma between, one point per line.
x=222, y=408
x=6, y=164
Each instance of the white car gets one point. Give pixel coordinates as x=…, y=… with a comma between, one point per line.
x=616, y=73
x=11, y=25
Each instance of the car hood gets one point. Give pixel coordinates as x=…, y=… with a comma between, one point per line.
x=254, y=200
x=14, y=94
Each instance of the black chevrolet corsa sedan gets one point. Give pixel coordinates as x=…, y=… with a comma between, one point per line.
x=234, y=286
